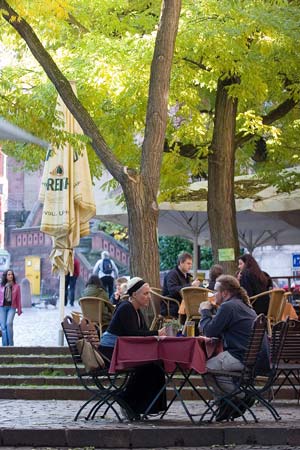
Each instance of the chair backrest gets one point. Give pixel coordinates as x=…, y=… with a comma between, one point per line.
x=72, y=333
x=159, y=299
x=276, y=305
x=278, y=342
x=91, y=308
x=291, y=347
x=89, y=332
x=255, y=343
x=192, y=297
x=155, y=300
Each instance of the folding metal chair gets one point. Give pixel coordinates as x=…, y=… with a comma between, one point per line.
x=104, y=389
x=249, y=386
x=288, y=370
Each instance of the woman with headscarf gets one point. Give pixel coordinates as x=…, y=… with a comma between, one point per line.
x=128, y=320
x=254, y=281
x=10, y=303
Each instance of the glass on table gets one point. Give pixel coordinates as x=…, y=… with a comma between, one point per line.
x=190, y=328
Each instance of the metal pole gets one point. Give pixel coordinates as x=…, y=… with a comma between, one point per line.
x=61, y=306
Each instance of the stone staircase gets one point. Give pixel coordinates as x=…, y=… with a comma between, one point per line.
x=46, y=373
x=38, y=373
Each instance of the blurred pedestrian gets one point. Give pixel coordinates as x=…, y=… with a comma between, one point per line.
x=70, y=283
x=10, y=303
x=107, y=271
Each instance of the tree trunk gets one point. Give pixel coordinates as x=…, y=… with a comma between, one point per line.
x=142, y=232
x=221, y=160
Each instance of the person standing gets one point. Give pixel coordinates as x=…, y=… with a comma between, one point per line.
x=70, y=282
x=254, y=281
x=10, y=303
x=107, y=271
x=176, y=279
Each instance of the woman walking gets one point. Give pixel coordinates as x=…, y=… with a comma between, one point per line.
x=10, y=302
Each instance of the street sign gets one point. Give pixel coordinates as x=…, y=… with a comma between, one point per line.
x=296, y=260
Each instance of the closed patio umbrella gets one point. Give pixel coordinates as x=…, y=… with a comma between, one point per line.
x=67, y=195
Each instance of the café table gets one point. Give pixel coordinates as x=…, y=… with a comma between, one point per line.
x=178, y=355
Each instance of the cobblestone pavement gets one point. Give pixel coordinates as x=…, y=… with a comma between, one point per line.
x=60, y=414
x=214, y=447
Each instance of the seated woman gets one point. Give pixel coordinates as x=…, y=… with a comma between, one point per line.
x=94, y=288
x=254, y=281
x=128, y=320
x=214, y=272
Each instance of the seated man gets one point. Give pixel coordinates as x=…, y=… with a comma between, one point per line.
x=176, y=279
x=233, y=323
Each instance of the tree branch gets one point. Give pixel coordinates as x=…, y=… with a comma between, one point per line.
x=64, y=89
x=276, y=114
x=74, y=21
x=200, y=65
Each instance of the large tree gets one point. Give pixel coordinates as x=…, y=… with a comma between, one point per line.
x=140, y=186
x=237, y=98
x=233, y=101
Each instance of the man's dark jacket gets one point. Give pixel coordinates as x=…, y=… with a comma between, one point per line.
x=173, y=282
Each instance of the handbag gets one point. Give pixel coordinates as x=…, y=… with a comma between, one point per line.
x=91, y=359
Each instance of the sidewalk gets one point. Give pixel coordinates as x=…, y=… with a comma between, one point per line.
x=51, y=424
x=39, y=326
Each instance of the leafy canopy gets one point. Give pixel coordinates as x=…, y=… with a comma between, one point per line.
x=106, y=46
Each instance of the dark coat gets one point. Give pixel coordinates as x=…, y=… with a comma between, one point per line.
x=254, y=286
x=174, y=281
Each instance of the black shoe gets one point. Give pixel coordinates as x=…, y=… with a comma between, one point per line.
x=242, y=405
x=241, y=410
x=130, y=415
x=224, y=413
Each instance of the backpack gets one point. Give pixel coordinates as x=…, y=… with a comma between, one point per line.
x=107, y=267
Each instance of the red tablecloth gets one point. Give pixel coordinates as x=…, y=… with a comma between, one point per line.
x=189, y=352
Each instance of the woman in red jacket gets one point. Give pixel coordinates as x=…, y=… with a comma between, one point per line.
x=10, y=302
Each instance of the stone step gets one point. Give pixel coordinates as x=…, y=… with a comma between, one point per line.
x=79, y=393
x=49, y=373
x=37, y=369
x=35, y=359
x=37, y=381
x=34, y=351
x=45, y=393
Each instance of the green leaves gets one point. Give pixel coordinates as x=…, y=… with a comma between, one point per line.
x=106, y=47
